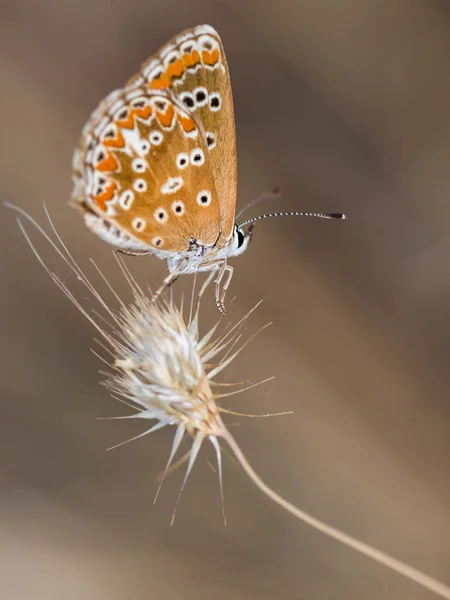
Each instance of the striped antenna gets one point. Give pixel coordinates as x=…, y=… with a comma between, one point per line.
x=294, y=214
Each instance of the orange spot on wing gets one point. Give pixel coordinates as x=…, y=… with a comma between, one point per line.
x=128, y=123
x=107, y=195
x=166, y=118
x=175, y=69
x=160, y=82
x=186, y=123
x=192, y=59
x=117, y=142
x=108, y=164
x=144, y=112
x=210, y=58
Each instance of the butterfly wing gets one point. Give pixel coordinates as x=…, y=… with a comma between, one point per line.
x=151, y=168
x=193, y=66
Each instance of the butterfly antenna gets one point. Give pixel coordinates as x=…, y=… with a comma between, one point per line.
x=267, y=195
x=294, y=214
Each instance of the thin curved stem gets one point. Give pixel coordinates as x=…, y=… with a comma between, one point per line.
x=392, y=563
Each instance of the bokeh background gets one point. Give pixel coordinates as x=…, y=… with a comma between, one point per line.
x=345, y=105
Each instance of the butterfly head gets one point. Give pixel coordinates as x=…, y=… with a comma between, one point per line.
x=240, y=240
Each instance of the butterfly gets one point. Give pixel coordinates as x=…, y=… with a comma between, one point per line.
x=155, y=169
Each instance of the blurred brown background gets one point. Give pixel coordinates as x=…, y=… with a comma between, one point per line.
x=345, y=105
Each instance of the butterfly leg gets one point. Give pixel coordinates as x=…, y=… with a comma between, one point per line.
x=220, y=294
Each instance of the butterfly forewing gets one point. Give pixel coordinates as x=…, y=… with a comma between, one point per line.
x=156, y=165
x=194, y=67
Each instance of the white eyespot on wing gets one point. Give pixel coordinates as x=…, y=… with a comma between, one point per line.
x=143, y=147
x=172, y=185
x=210, y=140
x=126, y=199
x=215, y=101
x=157, y=242
x=138, y=224
x=178, y=207
x=138, y=165
x=201, y=96
x=197, y=157
x=161, y=215
x=182, y=160
x=156, y=138
x=188, y=100
x=140, y=185
x=204, y=198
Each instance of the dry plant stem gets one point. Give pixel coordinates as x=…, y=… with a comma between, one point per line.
x=392, y=563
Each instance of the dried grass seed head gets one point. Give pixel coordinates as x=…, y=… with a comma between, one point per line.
x=162, y=367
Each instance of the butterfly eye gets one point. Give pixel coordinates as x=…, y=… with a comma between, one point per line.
x=156, y=137
x=240, y=238
x=161, y=215
x=215, y=102
x=197, y=157
x=140, y=185
x=138, y=165
x=139, y=224
x=204, y=198
x=126, y=199
x=178, y=207
x=157, y=241
x=182, y=160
